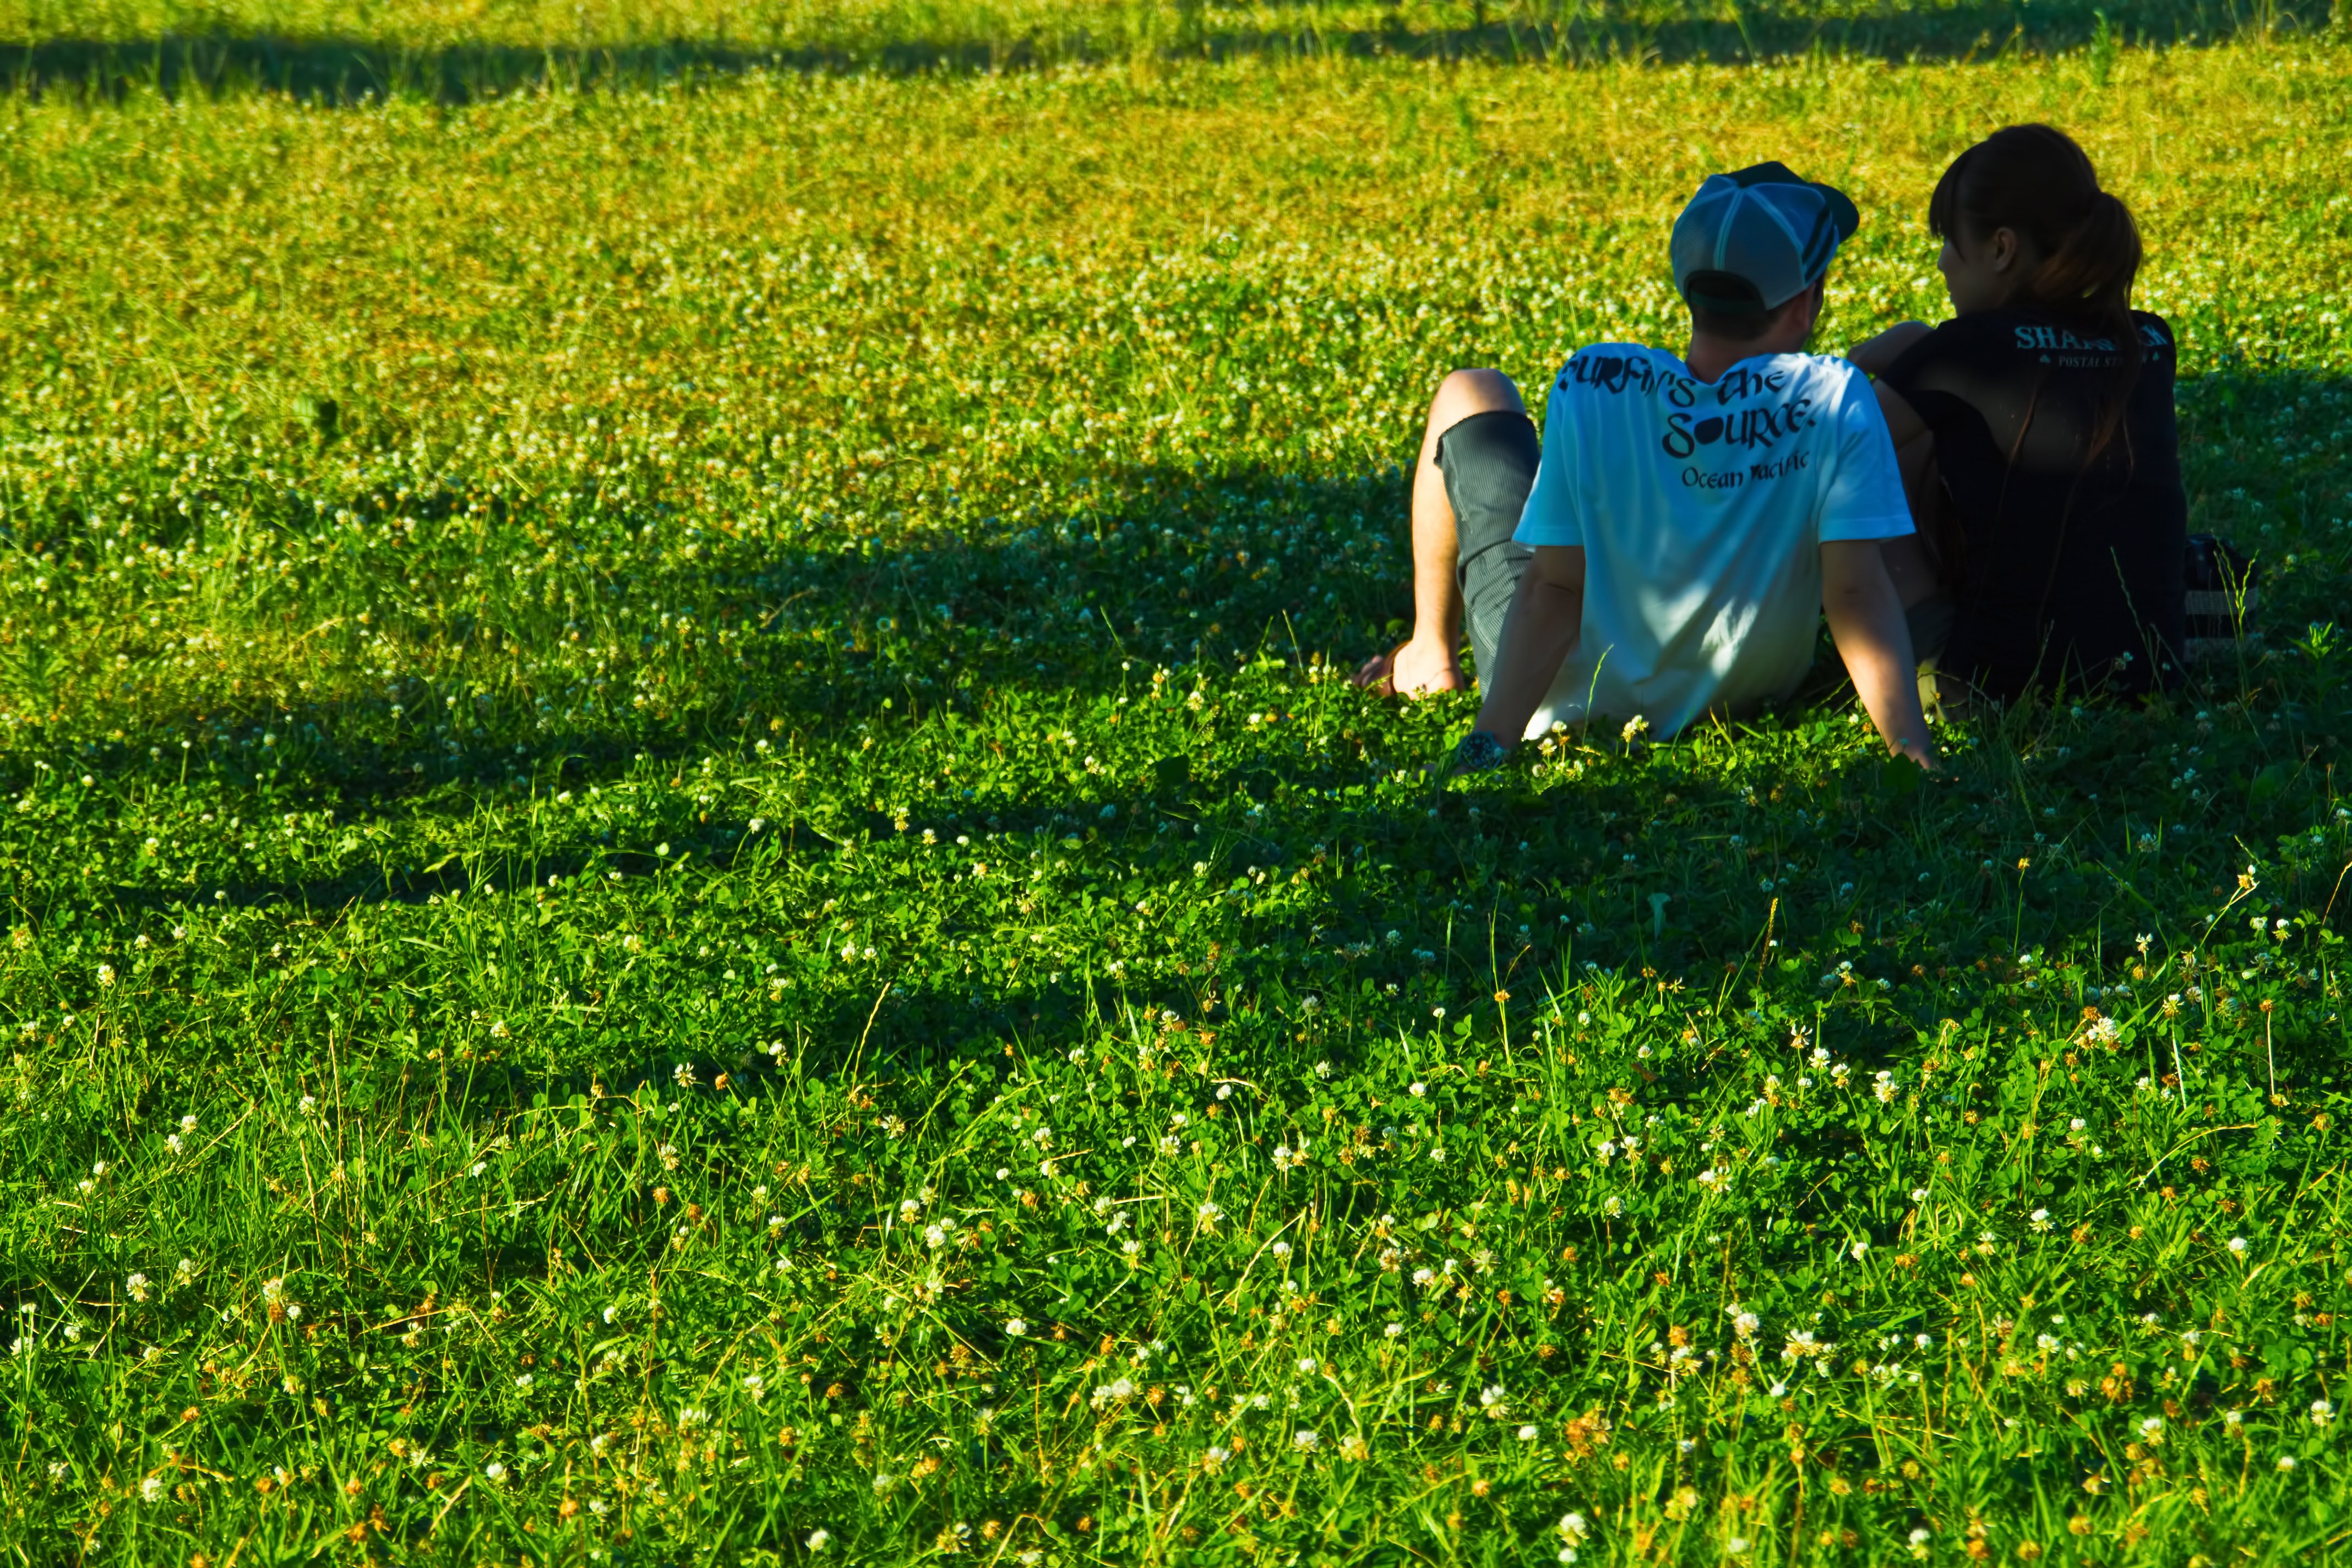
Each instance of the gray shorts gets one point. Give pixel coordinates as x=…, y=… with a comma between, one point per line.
x=1489, y=463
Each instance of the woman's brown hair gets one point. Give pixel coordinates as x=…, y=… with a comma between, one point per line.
x=2036, y=181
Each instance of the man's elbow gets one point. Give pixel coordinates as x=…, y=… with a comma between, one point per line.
x=1560, y=568
x=1848, y=598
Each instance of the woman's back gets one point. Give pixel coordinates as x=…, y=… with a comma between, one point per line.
x=2072, y=520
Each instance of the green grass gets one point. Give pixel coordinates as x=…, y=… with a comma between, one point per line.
x=671, y=754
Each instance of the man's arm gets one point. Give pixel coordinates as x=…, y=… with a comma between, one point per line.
x=1867, y=619
x=1545, y=618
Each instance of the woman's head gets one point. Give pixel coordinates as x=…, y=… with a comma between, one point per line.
x=2024, y=223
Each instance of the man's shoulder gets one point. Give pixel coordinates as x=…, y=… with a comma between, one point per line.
x=1816, y=367
x=1823, y=380
x=1617, y=368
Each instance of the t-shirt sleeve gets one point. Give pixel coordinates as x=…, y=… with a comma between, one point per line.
x=1864, y=496
x=1554, y=511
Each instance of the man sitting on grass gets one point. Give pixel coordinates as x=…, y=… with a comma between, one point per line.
x=1664, y=553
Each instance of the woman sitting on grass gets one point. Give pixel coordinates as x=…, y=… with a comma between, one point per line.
x=2036, y=435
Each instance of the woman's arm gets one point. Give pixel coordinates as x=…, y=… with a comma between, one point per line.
x=1919, y=561
x=1914, y=444
x=1873, y=355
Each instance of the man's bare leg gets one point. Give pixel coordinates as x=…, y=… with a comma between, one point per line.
x=1430, y=660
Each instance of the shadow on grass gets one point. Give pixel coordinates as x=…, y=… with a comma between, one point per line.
x=358, y=69
x=1143, y=566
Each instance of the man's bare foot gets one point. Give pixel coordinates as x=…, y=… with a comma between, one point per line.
x=1413, y=668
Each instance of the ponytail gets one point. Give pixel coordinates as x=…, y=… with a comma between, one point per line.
x=2036, y=181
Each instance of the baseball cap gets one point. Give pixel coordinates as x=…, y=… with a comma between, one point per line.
x=1752, y=240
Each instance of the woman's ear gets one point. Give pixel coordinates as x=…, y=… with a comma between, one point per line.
x=2003, y=250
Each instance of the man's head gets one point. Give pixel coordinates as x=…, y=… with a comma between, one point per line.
x=1750, y=252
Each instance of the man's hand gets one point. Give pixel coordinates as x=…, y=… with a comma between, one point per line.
x=1867, y=619
x=1873, y=355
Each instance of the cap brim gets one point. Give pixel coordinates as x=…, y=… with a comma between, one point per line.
x=1844, y=216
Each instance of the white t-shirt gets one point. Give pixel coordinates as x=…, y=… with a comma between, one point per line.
x=1701, y=506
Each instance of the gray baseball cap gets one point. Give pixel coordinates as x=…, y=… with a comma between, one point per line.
x=1752, y=240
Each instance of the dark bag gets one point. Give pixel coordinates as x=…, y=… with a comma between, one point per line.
x=2222, y=595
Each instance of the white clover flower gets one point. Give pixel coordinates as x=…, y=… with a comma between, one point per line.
x=496, y=1471
x=1529, y=1434
x=2041, y=1219
x=138, y=1287
x=1209, y=1213
x=151, y=1489
x=819, y=1540
x=1393, y=1330
x=2151, y=1430
x=1304, y=1439
x=2322, y=1412
x=2237, y=1244
x=1746, y=1324
x=1572, y=1527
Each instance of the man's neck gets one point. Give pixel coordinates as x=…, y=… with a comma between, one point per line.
x=1709, y=357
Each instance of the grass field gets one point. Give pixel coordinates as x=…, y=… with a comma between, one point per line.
x=688, y=880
